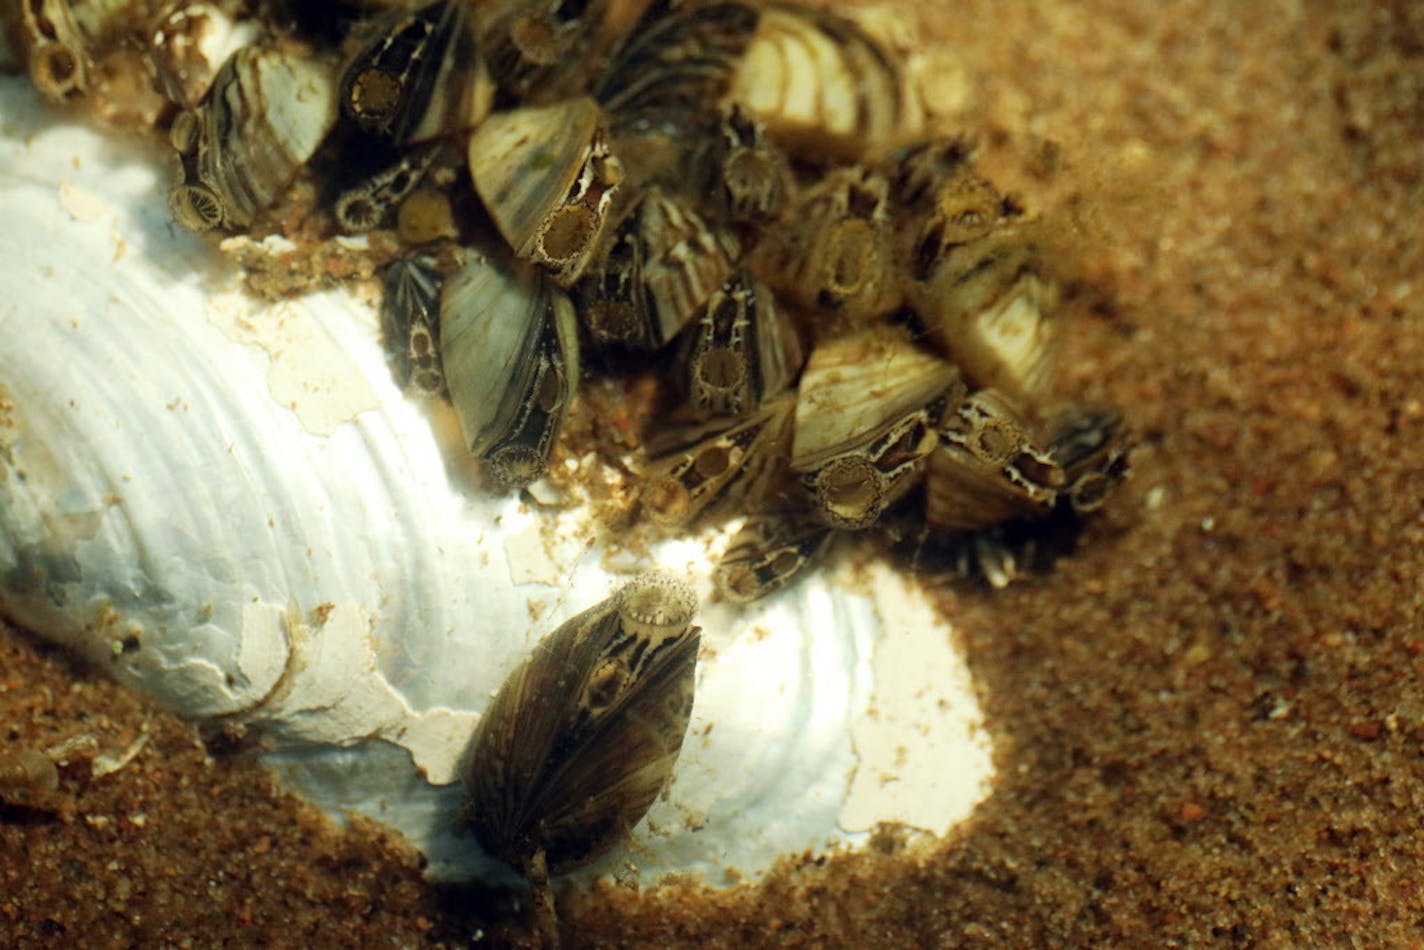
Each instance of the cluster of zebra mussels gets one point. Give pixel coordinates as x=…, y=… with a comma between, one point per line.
x=855, y=327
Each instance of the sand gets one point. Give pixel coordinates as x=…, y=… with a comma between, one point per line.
x=1208, y=720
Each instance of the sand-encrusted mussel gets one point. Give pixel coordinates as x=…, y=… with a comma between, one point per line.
x=866, y=422
x=267, y=111
x=548, y=179
x=824, y=87
x=420, y=76
x=509, y=347
x=584, y=735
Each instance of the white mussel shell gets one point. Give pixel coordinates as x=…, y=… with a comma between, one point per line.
x=233, y=507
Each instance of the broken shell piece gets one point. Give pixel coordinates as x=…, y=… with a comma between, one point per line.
x=833, y=251
x=264, y=116
x=717, y=469
x=988, y=304
x=988, y=467
x=548, y=179
x=768, y=552
x=865, y=422
x=824, y=87
x=410, y=316
x=661, y=264
x=742, y=349
x=420, y=77
x=509, y=346
x=583, y=736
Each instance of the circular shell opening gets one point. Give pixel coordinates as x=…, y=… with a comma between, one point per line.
x=536, y=38
x=851, y=492
x=658, y=601
x=374, y=95
x=196, y=207
x=516, y=465
x=57, y=70
x=667, y=501
x=719, y=369
x=567, y=234
x=847, y=266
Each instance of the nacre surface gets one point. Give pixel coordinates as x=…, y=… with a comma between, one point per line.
x=232, y=507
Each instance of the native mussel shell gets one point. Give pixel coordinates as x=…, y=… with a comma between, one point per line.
x=866, y=421
x=583, y=736
x=824, y=87
x=509, y=345
x=266, y=113
x=660, y=264
x=548, y=179
x=419, y=77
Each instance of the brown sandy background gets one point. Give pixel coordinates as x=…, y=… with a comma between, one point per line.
x=1208, y=722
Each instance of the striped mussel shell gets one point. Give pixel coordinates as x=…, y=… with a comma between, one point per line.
x=945, y=203
x=65, y=41
x=419, y=76
x=659, y=266
x=541, y=51
x=769, y=551
x=410, y=319
x=833, y=251
x=866, y=422
x=712, y=470
x=989, y=305
x=1092, y=446
x=548, y=179
x=740, y=350
x=509, y=347
x=990, y=466
x=825, y=88
x=188, y=44
x=583, y=736
x=267, y=111
x=747, y=176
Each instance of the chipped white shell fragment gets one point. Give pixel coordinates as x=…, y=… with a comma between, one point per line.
x=233, y=508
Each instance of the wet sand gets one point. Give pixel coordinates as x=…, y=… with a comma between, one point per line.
x=1208, y=721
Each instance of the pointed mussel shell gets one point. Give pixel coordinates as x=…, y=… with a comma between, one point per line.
x=509, y=346
x=548, y=179
x=865, y=422
x=583, y=736
x=267, y=111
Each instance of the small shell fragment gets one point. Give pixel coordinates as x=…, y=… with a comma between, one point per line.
x=824, y=87
x=548, y=179
x=420, y=77
x=509, y=346
x=584, y=735
x=190, y=43
x=266, y=113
